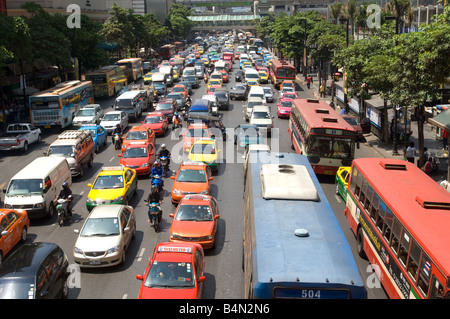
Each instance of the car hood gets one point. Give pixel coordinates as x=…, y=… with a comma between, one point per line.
x=192, y=228
x=203, y=157
x=168, y=293
x=133, y=161
x=190, y=187
x=83, y=118
x=105, y=194
x=261, y=121
x=97, y=243
x=23, y=199
x=109, y=123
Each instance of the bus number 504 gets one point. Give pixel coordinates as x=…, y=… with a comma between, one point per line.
x=310, y=294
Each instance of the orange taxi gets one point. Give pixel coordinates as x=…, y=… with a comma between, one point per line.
x=224, y=76
x=191, y=178
x=287, y=83
x=195, y=220
x=174, y=271
x=157, y=122
x=194, y=131
x=139, y=156
x=180, y=88
x=14, y=225
x=138, y=134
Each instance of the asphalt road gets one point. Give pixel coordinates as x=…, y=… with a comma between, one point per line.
x=224, y=276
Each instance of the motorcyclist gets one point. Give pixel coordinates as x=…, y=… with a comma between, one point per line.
x=66, y=193
x=157, y=169
x=176, y=120
x=164, y=152
x=154, y=197
x=117, y=130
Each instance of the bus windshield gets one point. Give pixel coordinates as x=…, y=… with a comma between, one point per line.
x=326, y=146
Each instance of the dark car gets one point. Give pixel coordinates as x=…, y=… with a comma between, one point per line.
x=178, y=97
x=192, y=79
x=246, y=134
x=223, y=99
x=239, y=92
x=167, y=107
x=238, y=76
x=353, y=121
x=35, y=271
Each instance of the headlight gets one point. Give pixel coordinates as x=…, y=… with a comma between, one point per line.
x=205, y=192
x=118, y=199
x=77, y=250
x=8, y=206
x=206, y=237
x=175, y=236
x=176, y=192
x=144, y=165
x=39, y=205
x=112, y=250
x=90, y=201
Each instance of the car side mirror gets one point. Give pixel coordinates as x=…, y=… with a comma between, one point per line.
x=202, y=279
x=139, y=277
x=89, y=185
x=211, y=178
x=171, y=215
x=172, y=177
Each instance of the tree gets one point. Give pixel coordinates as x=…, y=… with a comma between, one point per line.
x=336, y=11
x=178, y=21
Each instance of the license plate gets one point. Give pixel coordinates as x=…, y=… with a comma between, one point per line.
x=47, y=126
x=94, y=262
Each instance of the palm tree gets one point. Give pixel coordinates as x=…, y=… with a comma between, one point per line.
x=336, y=10
x=351, y=12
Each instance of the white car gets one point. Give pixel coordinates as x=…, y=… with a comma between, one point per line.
x=112, y=118
x=88, y=114
x=261, y=118
x=105, y=236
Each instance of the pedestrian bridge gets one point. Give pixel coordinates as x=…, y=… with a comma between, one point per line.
x=223, y=22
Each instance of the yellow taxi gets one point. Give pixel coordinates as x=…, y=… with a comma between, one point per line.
x=341, y=181
x=263, y=77
x=148, y=78
x=253, y=83
x=213, y=82
x=113, y=185
x=207, y=151
x=175, y=75
x=205, y=61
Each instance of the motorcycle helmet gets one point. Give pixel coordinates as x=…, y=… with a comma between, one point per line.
x=156, y=163
x=163, y=146
x=65, y=185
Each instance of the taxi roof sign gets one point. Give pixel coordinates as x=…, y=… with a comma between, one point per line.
x=174, y=249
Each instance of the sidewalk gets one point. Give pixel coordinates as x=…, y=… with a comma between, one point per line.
x=383, y=149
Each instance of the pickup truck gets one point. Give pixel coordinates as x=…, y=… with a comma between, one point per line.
x=19, y=136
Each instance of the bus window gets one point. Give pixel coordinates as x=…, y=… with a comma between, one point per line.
x=368, y=201
x=389, y=220
x=374, y=211
x=362, y=197
x=413, y=260
x=424, y=275
x=358, y=185
x=437, y=290
x=404, y=248
x=396, y=230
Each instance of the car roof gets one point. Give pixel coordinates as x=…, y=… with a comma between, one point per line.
x=138, y=128
x=109, y=169
x=166, y=100
x=105, y=211
x=192, y=165
x=26, y=260
x=114, y=112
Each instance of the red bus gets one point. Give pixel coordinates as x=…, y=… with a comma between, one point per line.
x=319, y=132
x=281, y=70
x=400, y=217
x=166, y=51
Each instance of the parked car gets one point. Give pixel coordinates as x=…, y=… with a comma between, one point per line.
x=19, y=136
x=35, y=271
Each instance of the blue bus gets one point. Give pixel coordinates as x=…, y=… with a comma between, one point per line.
x=293, y=246
x=58, y=105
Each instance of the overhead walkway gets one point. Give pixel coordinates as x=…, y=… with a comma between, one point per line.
x=223, y=21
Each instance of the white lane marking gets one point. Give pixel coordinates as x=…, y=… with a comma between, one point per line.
x=141, y=254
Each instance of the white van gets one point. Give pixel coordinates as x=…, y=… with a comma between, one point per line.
x=251, y=74
x=36, y=186
x=189, y=71
x=257, y=91
x=168, y=71
x=130, y=102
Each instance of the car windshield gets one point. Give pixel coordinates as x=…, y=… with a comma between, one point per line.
x=136, y=135
x=92, y=131
x=100, y=227
x=153, y=119
x=170, y=274
x=198, y=213
x=111, y=117
x=289, y=96
x=178, y=89
x=164, y=106
x=123, y=102
x=86, y=112
x=16, y=288
x=195, y=132
x=267, y=89
x=351, y=120
x=286, y=103
x=249, y=131
x=25, y=187
x=260, y=115
x=203, y=148
x=191, y=175
x=239, y=87
x=65, y=150
x=135, y=152
x=108, y=181
x=221, y=94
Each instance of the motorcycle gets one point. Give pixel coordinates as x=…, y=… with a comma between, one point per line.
x=176, y=124
x=62, y=209
x=154, y=214
x=158, y=182
x=164, y=164
x=117, y=141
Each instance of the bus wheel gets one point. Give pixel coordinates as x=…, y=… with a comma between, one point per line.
x=360, y=243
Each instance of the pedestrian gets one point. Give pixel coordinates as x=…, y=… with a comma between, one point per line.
x=445, y=139
x=410, y=153
x=426, y=155
x=322, y=89
x=308, y=81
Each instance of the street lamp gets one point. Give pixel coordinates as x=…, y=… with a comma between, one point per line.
x=305, y=63
x=345, y=80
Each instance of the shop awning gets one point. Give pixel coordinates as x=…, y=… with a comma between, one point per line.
x=441, y=120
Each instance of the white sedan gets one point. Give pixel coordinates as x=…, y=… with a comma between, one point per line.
x=112, y=118
x=105, y=236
